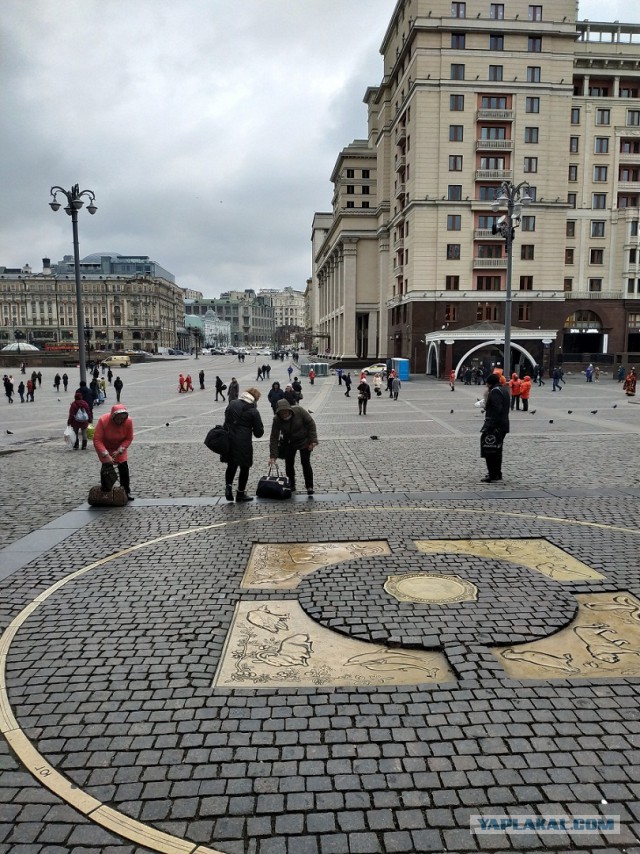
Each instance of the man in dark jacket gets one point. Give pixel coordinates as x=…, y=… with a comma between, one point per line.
x=243, y=421
x=496, y=423
x=234, y=390
x=118, y=387
x=293, y=430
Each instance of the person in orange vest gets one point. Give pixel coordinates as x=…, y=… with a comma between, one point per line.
x=525, y=391
x=515, y=387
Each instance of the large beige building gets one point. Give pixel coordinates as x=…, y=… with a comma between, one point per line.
x=474, y=94
x=134, y=311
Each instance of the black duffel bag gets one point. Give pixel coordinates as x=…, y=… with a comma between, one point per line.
x=218, y=440
x=274, y=486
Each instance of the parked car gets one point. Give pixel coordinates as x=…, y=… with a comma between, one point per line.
x=378, y=368
x=116, y=361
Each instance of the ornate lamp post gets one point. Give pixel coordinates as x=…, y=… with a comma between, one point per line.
x=75, y=201
x=513, y=198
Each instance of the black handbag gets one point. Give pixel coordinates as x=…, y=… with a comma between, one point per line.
x=218, y=440
x=274, y=486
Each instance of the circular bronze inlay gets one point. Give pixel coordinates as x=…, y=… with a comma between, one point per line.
x=430, y=589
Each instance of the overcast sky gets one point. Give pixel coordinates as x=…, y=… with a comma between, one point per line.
x=208, y=129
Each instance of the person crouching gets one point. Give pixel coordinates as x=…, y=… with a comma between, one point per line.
x=113, y=435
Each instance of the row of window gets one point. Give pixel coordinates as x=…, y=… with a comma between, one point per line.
x=494, y=250
x=494, y=102
x=603, y=117
x=364, y=173
x=601, y=173
x=601, y=145
x=487, y=311
x=532, y=103
x=496, y=42
x=496, y=11
x=496, y=73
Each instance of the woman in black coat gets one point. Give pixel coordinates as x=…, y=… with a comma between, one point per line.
x=275, y=394
x=243, y=421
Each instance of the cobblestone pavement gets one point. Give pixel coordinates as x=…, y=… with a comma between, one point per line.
x=116, y=740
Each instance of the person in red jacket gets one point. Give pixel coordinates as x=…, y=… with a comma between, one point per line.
x=525, y=391
x=515, y=387
x=79, y=419
x=113, y=435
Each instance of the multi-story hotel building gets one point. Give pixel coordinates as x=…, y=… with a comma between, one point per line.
x=475, y=94
x=250, y=316
x=129, y=303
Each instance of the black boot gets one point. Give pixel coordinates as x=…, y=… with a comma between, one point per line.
x=77, y=444
x=84, y=444
x=242, y=496
x=228, y=492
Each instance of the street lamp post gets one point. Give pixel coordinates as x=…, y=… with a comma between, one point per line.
x=513, y=198
x=75, y=201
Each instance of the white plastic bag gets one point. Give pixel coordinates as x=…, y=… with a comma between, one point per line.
x=69, y=437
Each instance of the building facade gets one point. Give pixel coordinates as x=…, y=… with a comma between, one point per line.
x=250, y=316
x=288, y=314
x=475, y=94
x=139, y=311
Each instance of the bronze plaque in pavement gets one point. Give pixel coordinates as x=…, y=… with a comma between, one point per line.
x=274, y=644
x=602, y=641
x=430, y=589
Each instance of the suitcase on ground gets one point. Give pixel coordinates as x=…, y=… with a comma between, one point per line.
x=275, y=486
x=115, y=497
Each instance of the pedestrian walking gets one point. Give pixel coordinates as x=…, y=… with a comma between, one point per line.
x=390, y=377
x=290, y=372
x=296, y=385
x=629, y=385
x=21, y=391
x=65, y=381
x=339, y=375
x=117, y=385
x=79, y=419
x=259, y=377
x=312, y=376
x=347, y=382
x=596, y=374
x=267, y=369
x=182, y=384
x=515, y=387
x=189, y=382
x=23, y=367
x=243, y=421
x=31, y=388
x=87, y=394
x=364, y=396
x=620, y=374
x=275, y=394
x=589, y=373
x=109, y=376
x=39, y=375
x=234, y=390
x=525, y=392
x=395, y=387
x=290, y=395
x=220, y=389
x=8, y=387
x=452, y=380
x=495, y=426
x=103, y=388
x=112, y=438
x=377, y=385
x=201, y=380
x=56, y=382
x=293, y=430
x=557, y=376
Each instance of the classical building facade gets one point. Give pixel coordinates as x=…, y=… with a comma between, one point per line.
x=475, y=94
x=250, y=316
x=288, y=314
x=122, y=311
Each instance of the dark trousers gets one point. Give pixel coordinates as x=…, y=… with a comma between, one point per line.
x=525, y=404
x=242, y=478
x=123, y=472
x=362, y=405
x=494, y=464
x=515, y=401
x=305, y=460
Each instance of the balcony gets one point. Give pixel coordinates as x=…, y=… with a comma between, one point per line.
x=494, y=263
x=486, y=234
x=400, y=191
x=595, y=295
x=398, y=244
x=494, y=174
x=401, y=134
x=401, y=162
x=494, y=116
x=494, y=144
x=629, y=186
x=629, y=158
x=398, y=270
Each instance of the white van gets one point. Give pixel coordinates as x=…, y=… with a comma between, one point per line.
x=117, y=361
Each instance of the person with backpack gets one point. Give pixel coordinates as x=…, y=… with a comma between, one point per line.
x=220, y=389
x=80, y=417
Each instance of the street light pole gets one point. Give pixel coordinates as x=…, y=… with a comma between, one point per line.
x=514, y=198
x=75, y=201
